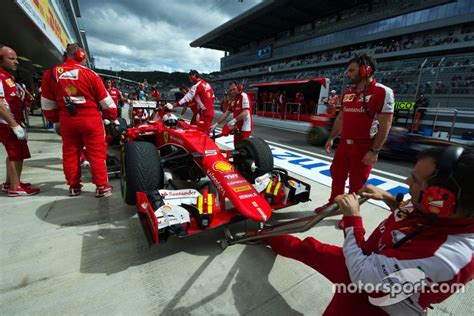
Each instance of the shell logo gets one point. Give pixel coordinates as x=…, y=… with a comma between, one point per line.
x=222, y=166
x=60, y=70
x=70, y=89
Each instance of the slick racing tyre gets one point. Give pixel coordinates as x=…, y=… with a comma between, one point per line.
x=255, y=158
x=141, y=170
x=318, y=135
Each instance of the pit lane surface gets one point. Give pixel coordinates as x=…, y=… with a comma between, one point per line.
x=61, y=255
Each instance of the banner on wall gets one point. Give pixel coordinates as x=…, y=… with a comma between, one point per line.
x=44, y=16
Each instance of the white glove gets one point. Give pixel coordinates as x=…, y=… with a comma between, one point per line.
x=214, y=126
x=232, y=123
x=20, y=132
x=116, y=122
x=106, y=122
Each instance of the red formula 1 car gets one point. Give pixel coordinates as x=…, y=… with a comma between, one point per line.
x=182, y=183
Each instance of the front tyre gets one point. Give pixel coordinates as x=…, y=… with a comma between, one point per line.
x=141, y=170
x=255, y=158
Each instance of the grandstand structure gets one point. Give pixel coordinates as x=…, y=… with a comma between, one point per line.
x=422, y=46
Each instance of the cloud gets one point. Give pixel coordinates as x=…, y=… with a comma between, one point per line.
x=155, y=34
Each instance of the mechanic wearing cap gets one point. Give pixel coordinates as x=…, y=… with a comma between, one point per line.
x=12, y=133
x=201, y=92
x=242, y=109
x=71, y=96
x=421, y=246
x=363, y=124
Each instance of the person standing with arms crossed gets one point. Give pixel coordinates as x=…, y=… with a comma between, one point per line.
x=363, y=125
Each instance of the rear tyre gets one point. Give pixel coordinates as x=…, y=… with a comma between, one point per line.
x=141, y=170
x=318, y=135
x=256, y=158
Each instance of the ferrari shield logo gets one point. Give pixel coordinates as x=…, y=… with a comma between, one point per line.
x=165, y=137
x=60, y=70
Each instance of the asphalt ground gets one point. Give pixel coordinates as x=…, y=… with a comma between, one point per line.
x=61, y=255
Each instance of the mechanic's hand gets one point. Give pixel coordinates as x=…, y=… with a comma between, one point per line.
x=106, y=122
x=232, y=123
x=20, y=132
x=116, y=122
x=373, y=192
x=328, y=145
x=349, y=204
x=370, y=158
x=57, y=128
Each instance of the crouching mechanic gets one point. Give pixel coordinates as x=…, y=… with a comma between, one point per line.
x=242, y=109
x=201, y=92
x=12, y=134
x=426, y=242
x=71, y=95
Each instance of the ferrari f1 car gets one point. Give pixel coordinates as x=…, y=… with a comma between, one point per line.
x=182, y=183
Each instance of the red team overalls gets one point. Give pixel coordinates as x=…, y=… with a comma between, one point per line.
x=356, y=139
x=241, y=102
x=201, y=93
x=86, y=91
x=16, y=149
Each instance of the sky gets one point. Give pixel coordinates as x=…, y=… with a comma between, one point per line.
x=154, y=35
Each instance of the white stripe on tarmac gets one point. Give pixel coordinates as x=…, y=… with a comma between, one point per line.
x=330, y=159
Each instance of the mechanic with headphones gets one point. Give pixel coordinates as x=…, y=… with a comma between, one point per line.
x=12, y=134
x=71, y=95
x=241, y=106
x=420, y=255
x=201, y=92
x=363, y=124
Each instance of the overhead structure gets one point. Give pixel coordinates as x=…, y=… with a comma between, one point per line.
x=268, y=19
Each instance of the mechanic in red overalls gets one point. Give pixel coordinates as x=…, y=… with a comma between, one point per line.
x=363, y=124
x=71, y=95
x=115, y=93
x=12, y=135
x=201, y=92
x=191, y=104
x=241, y=106
x=422, y=245
x=155, y=94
